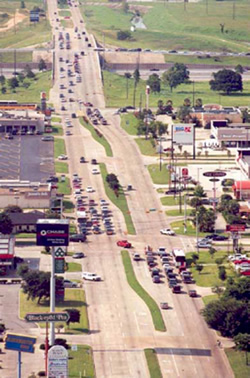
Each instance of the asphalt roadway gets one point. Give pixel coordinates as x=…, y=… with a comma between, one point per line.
x=120, y=323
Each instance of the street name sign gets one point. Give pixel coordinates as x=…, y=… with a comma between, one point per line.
x=214, y=174
x=47, y=317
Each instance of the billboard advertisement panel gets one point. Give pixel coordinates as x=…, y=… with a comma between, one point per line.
x=52, y=232
x=183, y=133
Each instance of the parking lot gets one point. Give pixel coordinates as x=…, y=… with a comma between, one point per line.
x=26, y=157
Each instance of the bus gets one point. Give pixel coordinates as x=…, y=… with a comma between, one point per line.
x=179, y=257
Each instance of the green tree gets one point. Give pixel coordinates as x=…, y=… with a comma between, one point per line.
x=222, y=273
x=217, y=290
x=242, y=342
x=23, y=4
x=6, y=225
x=3, y=90
x=21, y=77
x=187, y=102
x=125, y=7
x=122, y=35
x=195, y=202
x=29, y=73
x=199, y=191
x=154, y=82
x=226, y=81
x=198, y=103
x=42, y=65
x=127, y=76
x=136, y=76
x=176, y=75
x=245, y=116
x=238, y=289
x=195, y=257
x=22, y=270
x=239, y=69
x=212, y=251
x=183, y=113
x=74, y=315
x=13, y=83
x=12, y=209
x=199, y=268
x=2, y=80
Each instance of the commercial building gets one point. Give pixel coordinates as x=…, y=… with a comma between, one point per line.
x=18, y=121
x=25, y=222
x=210, y=112
x=231, y=135
x=7, y=253
x=242, y=190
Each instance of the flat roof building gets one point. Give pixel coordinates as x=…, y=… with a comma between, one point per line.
x=232, y=135
x=21, y=120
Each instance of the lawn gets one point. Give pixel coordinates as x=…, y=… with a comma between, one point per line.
x=64, y=187
x=146, y=146
x=178, y=227
x=176, y=213
x=42, y=83
x=209, y=298
x=198, y=59
x=57, y=130
x=129, y=123
x=59, y=147
x=21, y=56
x=74, y=298
x=153, y=363
x=119, y=202
x=73, y=267
x=172, y=26
x=136, y=286
x=81, y=363
x=56, y=119
x=115, y=93
x=237, y=361
x=157, y=176
x=172, y=201
x=209, y=276
x=64, y=13
x=27, y=235
x=61, y=167
x=68, y=206
x=100, y=139
x=206, y=258
x=67, y=24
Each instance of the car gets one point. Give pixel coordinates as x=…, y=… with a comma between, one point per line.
x=90, y=276
x=89, y=189
x=164, y=305
x=203, y=244
x=124, y=244
x=176, y=289
x=236, y=257
x=161, y=251
x=95, y=171
x=216, y=237
x=192, y=293
x=167, y=231
x=156, y=279
x=80, y=238
x=63, y=108
x=69, y=284
x=82, y=159
x=136, y=256
x=62, y=157
x=78, y=255
x=93, y=161
x=48, y=138
x=68, y=133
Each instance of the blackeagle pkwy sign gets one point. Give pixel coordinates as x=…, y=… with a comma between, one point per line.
x=214, y=174
x=47, y=317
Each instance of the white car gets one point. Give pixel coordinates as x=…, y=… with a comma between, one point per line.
x=236, y=257
x=89, y=189
x=95, y=171
x=167, y=231
x=62, y=157
x=90, y=276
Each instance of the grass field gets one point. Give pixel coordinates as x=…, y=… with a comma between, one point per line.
x=206, y=258
x=115, y=93
x=153, y=364
x=129, y=123
x=74, y=298
x=102, y=140
x=59, y=147
x=237, y=361
x=21, y=56
x=57, y=130
x=191, y=230
x=67, y=24
x=73, y=267
x=61, y=167
x=68, y=206
x=176, y=213
x=81, y=363
x=31, y=94
x=209, y=276
x=209, y=298
x=146, y=146
x=157, y=176
x=64, y=187
x=172, y=201
x=149, y=301
x=219, y=60
x=119, y=202
x=172, y=26
x=64, y=13
x=56, y=119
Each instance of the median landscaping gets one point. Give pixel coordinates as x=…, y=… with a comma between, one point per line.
x=153, y=363
x=119, y=201
x=81, y=363
x=98, y=137
x=136, y=286
x=159, y=176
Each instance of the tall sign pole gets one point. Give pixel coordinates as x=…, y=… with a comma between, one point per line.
x=52, y=295
x=147, y=107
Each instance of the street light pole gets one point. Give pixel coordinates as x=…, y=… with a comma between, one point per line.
x=197, y=232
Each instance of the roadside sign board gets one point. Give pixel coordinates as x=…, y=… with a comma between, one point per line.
x=214, y=174
x=235, y=227
x=58, y=362
x=34, y=16
x=60, y=265
x=20, y=343
x=183, y=134
x=52, y=232
x=184, y=172
x=47, y=317
x=60, y=252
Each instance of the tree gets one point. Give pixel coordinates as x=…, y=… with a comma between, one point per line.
x=123, y=35
x=136, y=76
x=199, y=191
x=226, y=81
x=176, y=75
x=212, y=251
x=195, y=257
x=222, y=273
x=195, y=202
x=242, y=342
x=127, y=76
x=13, y=83
x=42, y=65
x=6, y=225
x=23, y=4
x=154, y=82
x=29, y=73
x=199, y=267
x=22, y=270
x=184, y=113
x=3, y=90
x=239, y=69
x=198, y=103
x=125, y=6
x=12, y=209
x=187, y=102
x=238, y=289
x=21, y=77
x=206, y=219
x=74, y=315
x=2, y=80
x=217, y=290
x=245, y=116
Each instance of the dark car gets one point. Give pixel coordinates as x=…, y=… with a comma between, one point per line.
x=80, y=238
x=216, y=237
x=82, y=159
x=93, y=161
x=156, y=279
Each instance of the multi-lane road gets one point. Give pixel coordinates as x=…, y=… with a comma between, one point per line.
x=120, y=323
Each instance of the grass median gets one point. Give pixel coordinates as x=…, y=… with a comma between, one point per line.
x=146, y=146
x=61, y=167
x=64, y=187
x=153, y=363
x=136, y=286
x=237, y=360
x=119, y=202
x=81, y=363
x=178, y=228
x=100, y=139
x=159, y=176
x=73, y=267
x=74, y=298
x=59, y=147
x=171, y=200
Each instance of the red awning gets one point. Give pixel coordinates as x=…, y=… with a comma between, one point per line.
x=241, y=185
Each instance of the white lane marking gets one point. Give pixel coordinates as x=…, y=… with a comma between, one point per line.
x=136, y=320
x=176, y=368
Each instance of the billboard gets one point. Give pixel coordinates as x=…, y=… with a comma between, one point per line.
x=52, y=232
x=235, y=227
x=34, y=16
x=20, y=343
x=183, y=133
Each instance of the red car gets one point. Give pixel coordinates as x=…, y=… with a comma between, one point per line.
x=124, y=244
